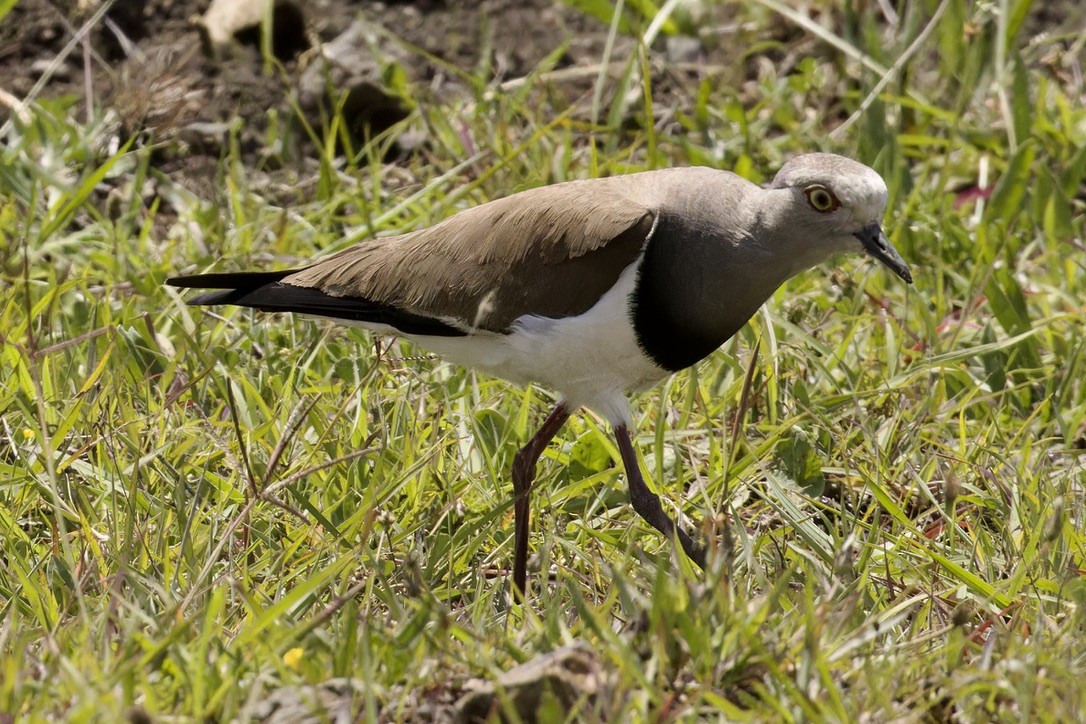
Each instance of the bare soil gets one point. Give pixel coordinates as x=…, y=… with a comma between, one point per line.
x=148, y=61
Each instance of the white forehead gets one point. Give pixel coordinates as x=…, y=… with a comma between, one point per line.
x=859, y=187
x=865, y=193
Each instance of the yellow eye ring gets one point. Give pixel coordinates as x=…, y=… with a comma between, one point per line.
x=821, y=199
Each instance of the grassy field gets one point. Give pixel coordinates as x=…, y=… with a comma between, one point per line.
x=198, y=510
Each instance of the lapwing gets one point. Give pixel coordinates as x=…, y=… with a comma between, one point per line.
x=594, y=288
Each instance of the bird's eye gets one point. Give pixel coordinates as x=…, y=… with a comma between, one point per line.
x=821, y=199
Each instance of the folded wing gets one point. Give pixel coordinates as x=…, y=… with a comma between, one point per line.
x=550, y=252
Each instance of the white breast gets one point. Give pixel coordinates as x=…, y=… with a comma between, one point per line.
x=591, y=360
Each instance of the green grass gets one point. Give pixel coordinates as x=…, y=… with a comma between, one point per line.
x=196, y=510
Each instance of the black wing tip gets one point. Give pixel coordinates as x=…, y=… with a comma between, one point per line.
x=263, y=291
x=229, y=280
x=223, y=296
x=234, y=286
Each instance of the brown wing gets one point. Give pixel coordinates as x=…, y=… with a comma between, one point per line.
x=552, y=251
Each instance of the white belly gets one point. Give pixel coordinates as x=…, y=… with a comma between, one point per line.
x=592, y=360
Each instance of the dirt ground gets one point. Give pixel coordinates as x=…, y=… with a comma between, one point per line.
x=149, y=61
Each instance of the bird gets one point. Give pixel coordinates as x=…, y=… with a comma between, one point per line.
x=594, y=288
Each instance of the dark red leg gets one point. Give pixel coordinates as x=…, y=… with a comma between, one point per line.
x=523, y=477
x=647, y=504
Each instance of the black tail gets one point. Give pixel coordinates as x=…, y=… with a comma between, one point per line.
x=262, y=290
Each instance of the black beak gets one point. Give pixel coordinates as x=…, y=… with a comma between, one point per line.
x=877, y=245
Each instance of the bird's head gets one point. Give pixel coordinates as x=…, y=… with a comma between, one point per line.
x=841, y=203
